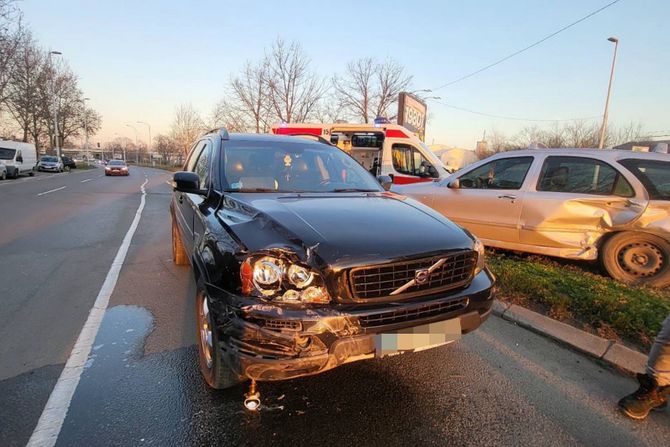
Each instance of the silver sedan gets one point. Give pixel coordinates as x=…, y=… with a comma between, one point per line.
x=607, y=205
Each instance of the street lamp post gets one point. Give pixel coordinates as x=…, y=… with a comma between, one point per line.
x=137, y=148
x=149, y=147
x=53, y=93
x=88, y=156
x=603, y=129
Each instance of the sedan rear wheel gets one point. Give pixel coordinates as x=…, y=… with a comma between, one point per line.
x=3, y=175
x=637, y=258
x=215, y=372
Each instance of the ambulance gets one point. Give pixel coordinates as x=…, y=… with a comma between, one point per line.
x=382, y=148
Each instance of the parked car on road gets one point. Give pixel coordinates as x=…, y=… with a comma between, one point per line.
x=18, y=158
x=572, y=203
x=116, y=167
x=69, y=162
x=50, y=163
x=303, y=261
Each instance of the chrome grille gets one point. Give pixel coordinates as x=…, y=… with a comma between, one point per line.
x=381, y=280
x=402, y=316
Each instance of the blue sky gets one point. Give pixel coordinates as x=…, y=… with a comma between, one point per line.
x=137, y=60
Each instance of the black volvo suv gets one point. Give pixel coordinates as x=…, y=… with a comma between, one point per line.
x=304, y=261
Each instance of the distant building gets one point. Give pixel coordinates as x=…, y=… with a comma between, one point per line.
x=645, y=146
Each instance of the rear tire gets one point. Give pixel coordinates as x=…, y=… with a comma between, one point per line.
x=31, y=173
x=637, y=258
x=3, y=175
x=179, y=255
x=215, y=372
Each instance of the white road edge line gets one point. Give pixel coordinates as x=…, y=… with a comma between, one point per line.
x=86, y=180
x=51, y=421
x=51, y=190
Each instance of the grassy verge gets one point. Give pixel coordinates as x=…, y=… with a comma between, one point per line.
x=576, y=294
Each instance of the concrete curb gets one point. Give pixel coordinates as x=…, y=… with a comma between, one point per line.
x=608, y=351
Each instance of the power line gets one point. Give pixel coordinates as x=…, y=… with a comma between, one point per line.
x=500, y=61
x=515, y=118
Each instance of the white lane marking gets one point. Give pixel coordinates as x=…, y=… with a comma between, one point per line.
x=51, y=190
x=55, y=411
x=86, y=180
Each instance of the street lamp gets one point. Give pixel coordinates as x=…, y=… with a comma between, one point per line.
x=603, y=129
x=88, y=156
x=53, y=93
x=149, y=147
x=137, y=148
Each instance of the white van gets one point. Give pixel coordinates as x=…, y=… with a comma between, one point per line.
x=19, y=158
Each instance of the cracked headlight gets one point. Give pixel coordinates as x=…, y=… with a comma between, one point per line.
x=481, y=256
x=282, y=281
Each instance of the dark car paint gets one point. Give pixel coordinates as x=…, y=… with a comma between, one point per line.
x=328, y=232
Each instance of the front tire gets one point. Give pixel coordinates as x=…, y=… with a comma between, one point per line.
x=637, y=258
x=179, y=255
x=3, y=175
x=215, y=372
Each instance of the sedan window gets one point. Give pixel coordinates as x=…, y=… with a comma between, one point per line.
x=505, y=173
x=581, y=175
x=653, y=174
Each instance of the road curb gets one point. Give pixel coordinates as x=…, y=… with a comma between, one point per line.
x=608, y=351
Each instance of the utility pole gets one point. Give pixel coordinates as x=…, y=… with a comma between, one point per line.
x=53, y=93
x=148, y=147
x=88, y=156
x=603, y=128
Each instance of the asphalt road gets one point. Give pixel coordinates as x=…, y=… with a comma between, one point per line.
x=500, y=385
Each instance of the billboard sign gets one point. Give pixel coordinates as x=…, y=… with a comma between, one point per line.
x=412, y=114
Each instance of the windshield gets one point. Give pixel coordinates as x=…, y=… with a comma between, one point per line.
x=653, y=174
x=7, y=154
x=116, y=163
x=49, y=158
x=266, y=166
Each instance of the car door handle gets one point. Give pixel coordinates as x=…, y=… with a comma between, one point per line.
x=507, y=196
x=181, y=198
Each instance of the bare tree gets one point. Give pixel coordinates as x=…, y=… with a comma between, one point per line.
x=355, y=91
x=250, y=92
x=187, y=126
x=166, y=148
x=294, y=90
x=11, y=32
x=392, y=80
x=230, y=116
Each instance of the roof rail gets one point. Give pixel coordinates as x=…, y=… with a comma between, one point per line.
x=222, y=131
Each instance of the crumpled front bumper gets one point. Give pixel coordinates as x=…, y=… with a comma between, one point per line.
x=267, y=342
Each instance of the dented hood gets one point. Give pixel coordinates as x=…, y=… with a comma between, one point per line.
x=345, y=229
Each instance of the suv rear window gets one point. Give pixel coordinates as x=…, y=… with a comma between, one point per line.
x=653, y=174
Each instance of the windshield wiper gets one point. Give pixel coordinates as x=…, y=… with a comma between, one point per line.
x=354, y=190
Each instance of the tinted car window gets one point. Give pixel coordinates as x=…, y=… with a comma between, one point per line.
x=654, y=175
x=264, y=166
x=202, y=165
x=582, y=176
x=6, y=154
x=116, y=163
x=408, y=160
x=506, y=173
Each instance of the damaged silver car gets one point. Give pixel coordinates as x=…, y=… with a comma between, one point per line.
x=606, y=205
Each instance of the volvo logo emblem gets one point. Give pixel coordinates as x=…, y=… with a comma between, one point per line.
x=421, y=276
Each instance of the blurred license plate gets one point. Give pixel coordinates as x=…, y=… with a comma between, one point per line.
x=418, y=338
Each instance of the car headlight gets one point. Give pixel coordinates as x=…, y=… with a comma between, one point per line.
x=481, y=256
x=282, y=281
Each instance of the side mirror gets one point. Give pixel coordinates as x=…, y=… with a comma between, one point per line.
x=19, y=159
x=432, y=171
x=454, y=184
x=185, y=181
x=386, y=181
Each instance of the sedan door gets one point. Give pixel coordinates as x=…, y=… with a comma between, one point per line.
x=488, y=199
x=575, y=201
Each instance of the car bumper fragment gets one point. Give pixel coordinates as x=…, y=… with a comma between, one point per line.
x=268, y=342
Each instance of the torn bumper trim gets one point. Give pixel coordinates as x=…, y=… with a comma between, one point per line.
x=301, y=342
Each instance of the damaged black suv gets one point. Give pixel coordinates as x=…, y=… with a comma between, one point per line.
x=304, y=261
